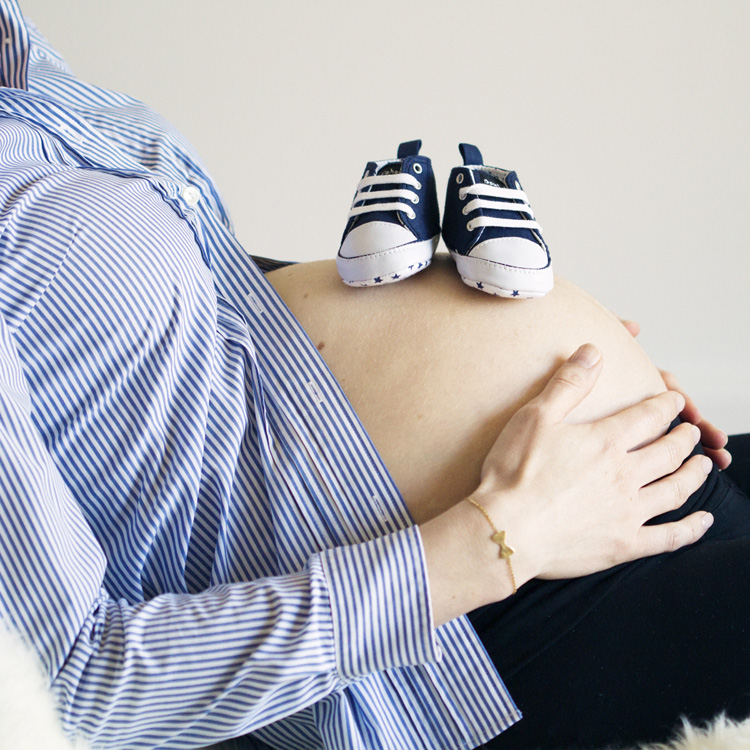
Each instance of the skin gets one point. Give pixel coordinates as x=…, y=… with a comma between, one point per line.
x=466, y=395
x=712, y=438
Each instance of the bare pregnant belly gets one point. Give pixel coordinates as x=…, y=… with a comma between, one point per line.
x=435, y=370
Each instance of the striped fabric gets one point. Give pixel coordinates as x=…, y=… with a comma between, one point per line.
x=196, y=533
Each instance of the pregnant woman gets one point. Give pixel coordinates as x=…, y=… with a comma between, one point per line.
x=200, y=541
x=435, y=371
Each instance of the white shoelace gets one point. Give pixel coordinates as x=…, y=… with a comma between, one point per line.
x=490, y=191
x=401, y=194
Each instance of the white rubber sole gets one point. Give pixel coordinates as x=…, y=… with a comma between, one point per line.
x=387, y=266
x=501, y=280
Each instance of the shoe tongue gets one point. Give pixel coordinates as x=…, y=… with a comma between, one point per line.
x=393, y=167
x=502, y=179
x=487, y=178
x=380, y=168
x=498, y=178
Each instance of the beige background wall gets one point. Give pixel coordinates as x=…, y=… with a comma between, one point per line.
x=628, y=122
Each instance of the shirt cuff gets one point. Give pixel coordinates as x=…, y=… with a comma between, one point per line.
x=380, y=604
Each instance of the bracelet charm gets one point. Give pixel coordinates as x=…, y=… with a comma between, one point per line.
x=505, y=550
x=498, y=537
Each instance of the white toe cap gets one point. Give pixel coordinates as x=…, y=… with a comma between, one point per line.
x=374, y=237
x=511, y=251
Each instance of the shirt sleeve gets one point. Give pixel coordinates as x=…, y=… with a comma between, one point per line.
x=186, y=670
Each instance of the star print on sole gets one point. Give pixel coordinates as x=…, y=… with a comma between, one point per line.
x=490, y=231
x=393, y=225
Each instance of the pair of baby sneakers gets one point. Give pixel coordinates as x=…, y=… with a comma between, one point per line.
x=393, y=226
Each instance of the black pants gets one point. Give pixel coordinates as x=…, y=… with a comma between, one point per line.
x=620, y=656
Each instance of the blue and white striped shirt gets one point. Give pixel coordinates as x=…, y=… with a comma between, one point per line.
x=196, y=533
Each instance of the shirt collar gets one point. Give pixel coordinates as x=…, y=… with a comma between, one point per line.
x=90, y=147
x=14, y=46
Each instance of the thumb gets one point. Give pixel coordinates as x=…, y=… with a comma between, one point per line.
x=572, y=382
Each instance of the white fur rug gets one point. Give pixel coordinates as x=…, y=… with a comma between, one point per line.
x=28, y=720
x=722, y=734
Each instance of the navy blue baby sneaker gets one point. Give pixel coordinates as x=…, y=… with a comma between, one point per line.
x=393, y=226
x=490, y=231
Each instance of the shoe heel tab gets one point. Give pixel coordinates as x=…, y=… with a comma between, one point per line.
x=471, y=154
x=409, y=148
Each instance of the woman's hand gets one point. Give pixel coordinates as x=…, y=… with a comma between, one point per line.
x=574, y=499
x=712, y=438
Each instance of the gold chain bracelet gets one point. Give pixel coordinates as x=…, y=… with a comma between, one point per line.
x=499, y=538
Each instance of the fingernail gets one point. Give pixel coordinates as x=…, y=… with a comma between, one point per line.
x=680, y=401
x=587, y=355
x=696, y=434
x=708, y=464
x=707, y=521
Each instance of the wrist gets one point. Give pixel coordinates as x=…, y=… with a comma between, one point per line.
x=498, y=515
x=464, y=567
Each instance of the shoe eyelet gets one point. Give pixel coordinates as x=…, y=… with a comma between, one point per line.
x=417, y=168
x=460, y=177
x=419, y=185
x=462, y=195
x=464, y=211
x=415, y=199
x=470, y=226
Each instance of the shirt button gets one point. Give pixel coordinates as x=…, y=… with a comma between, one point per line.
x=191, y=195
